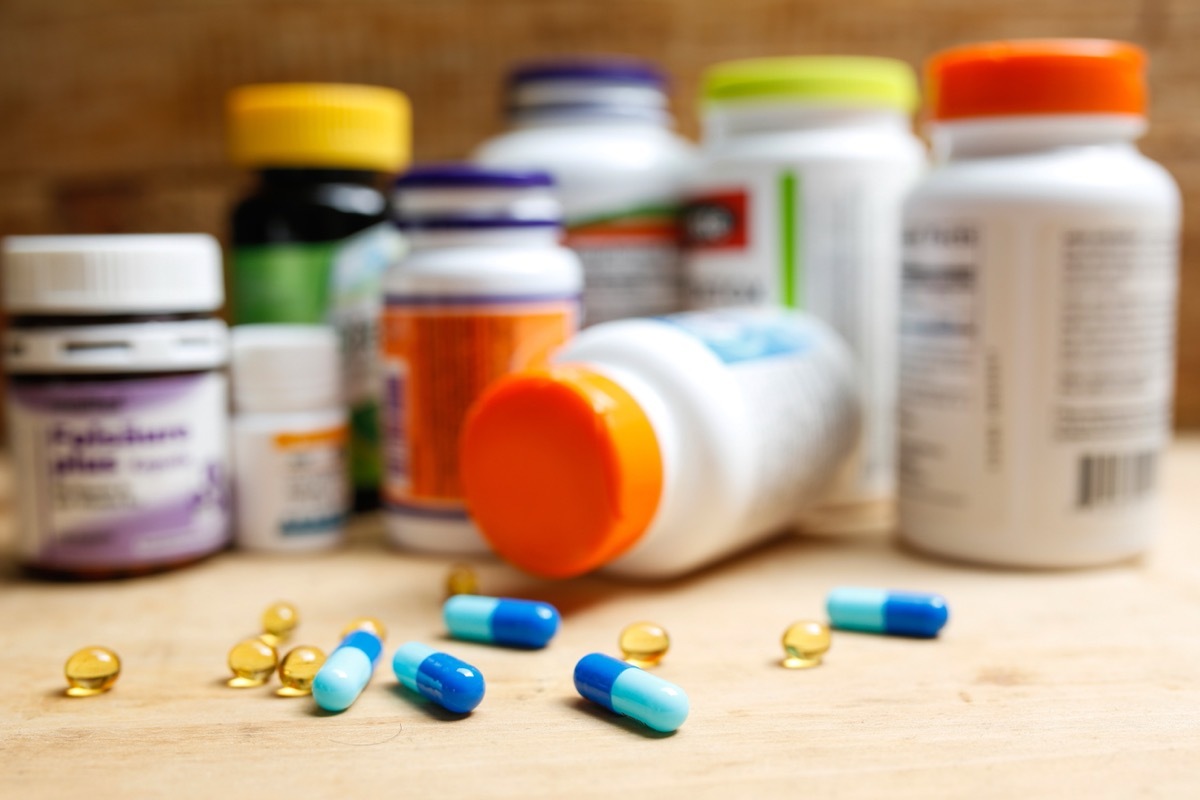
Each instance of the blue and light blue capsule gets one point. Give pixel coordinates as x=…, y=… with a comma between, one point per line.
x=501, y=620
x=917, y=614
x=347, y=671
x=631, y=691
x=453, y=684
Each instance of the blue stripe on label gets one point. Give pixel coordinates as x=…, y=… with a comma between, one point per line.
x=423, y=301
x=301, y=527
x=735, y=335
x=424, y=512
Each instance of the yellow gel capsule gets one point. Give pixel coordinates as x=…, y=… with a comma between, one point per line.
x=278, y=622
x=252, y=662
x=297, y=670
x=643, y=644
x=461, y=580
x=366, y=624
x=805, y=643
x=91, y=670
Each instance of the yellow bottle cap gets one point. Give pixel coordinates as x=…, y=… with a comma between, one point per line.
x=561, y=470
x=319, y=125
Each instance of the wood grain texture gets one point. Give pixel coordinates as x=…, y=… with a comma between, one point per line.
x=113, y=108
x=1072, y=684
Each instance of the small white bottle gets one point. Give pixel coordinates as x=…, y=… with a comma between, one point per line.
x=653, y=447
x=602, y=128
x=485, y=290
x=806, y=164
x=290, y=432
x=1038, y=310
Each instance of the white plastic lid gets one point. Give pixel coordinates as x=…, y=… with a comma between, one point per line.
x=280, y=368
x=116, y=274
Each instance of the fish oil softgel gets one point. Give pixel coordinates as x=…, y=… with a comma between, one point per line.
x=643, y=644
x=440, y=677
x=631, y=692
x=919, y=615
x=91, y=671
x=369, y=624
x=805, y=644
x=252, y=661
x=297, y=670
x=278, y=622
x=461, y=579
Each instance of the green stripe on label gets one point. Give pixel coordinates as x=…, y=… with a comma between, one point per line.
x=789, y=242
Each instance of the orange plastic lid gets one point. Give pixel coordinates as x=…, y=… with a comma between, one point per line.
x=561, y=470
x=1037, y=76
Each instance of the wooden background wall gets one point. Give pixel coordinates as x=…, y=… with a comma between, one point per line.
x=111, y=110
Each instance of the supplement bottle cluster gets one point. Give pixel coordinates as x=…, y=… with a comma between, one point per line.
x=777, y=324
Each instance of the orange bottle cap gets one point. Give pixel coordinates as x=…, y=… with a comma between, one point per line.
x=1037, y=76
x=561, y=470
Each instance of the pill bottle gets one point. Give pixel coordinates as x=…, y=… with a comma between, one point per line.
x=653, y=447
x=602, y=128
x=117, y=402
x=1038, y=309
x=485, y=290
x=806, y=162
x=313, y=238
x=290, y=434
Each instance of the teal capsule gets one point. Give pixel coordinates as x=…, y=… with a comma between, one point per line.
x=631, y=691
x=347, y=671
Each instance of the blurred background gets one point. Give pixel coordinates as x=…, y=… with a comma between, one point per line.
x=111, y=111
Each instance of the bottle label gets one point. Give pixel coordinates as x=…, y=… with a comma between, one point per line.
x=120, y=474
x=630, y=263
x=333, y=283
x=439, y=354
x=798, y=382
x=291, y=484
x=1035, y=395
x=822, y=237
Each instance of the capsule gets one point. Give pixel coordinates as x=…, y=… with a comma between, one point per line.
x=918, y=614
x=500, y=620
x=346, y=672
x=453, y=684
x=631, y=691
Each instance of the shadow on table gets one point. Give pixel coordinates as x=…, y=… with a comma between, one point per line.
x=615, y=719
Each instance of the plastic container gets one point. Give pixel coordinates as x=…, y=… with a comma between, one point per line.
x=806, y=164
x=1038, y=310
x=117, y=407
x=602, y=128
x=312, y=240
x=654, y=447
x=486, y=290
x=290, y=434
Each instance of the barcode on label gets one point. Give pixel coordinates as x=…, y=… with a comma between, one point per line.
x=1108, y=479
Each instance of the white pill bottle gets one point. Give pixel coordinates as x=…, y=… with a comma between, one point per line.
x=602, y=128
x=117, y=401
x=1038, y=310
x=653, y=447
x=485, y=290
x=290, y=437
x=806, y=162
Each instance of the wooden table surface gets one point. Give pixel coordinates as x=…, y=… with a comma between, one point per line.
x=1074, y=684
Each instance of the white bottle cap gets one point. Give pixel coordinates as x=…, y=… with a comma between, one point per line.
x=281, y=368
x=126, y=274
